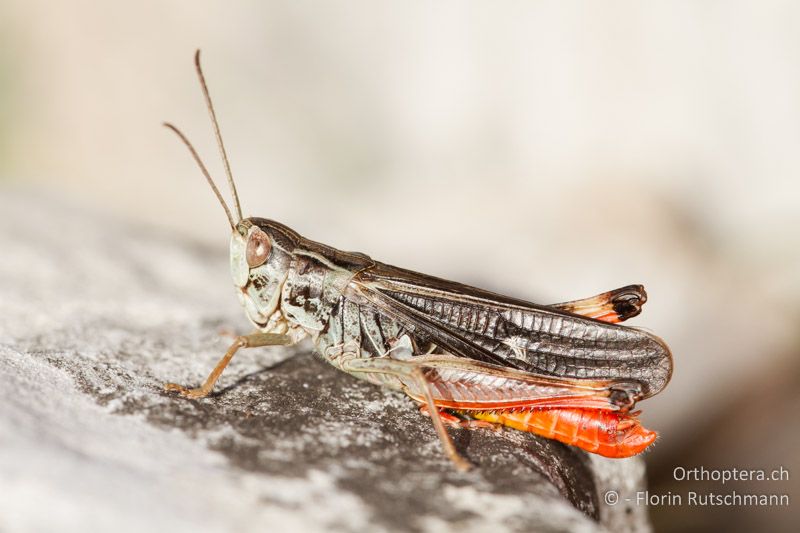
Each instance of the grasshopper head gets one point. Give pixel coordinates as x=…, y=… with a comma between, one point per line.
x=261, y=254
x=261, y=250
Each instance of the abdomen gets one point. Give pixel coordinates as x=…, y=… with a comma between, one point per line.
x=607, y=433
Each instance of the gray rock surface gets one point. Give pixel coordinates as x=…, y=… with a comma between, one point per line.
x=97, y=315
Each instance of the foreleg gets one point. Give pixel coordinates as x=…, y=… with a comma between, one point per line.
x=253, y=340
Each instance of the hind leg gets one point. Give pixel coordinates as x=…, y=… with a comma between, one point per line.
x=460, y=422
x=612, y=306
x=408, y=371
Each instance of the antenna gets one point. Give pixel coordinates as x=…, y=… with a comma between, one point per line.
x=204, y=170
x=220, y=144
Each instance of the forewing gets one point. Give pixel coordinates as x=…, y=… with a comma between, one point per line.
x=483, y=326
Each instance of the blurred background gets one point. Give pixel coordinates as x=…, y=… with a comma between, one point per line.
x=549, y=151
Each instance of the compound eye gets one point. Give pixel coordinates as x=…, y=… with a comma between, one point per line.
x=258, y=248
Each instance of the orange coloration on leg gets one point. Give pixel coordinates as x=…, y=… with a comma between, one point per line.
x=613, y=306
x=607, y=433
x=610, y=317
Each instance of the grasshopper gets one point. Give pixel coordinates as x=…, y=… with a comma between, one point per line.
x=468, y=357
